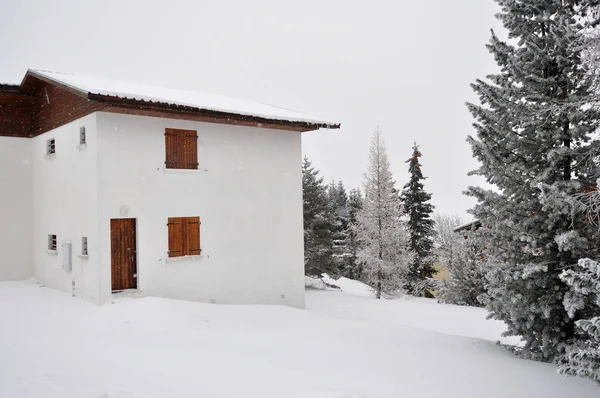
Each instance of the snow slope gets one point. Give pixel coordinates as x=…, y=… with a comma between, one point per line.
x=415, y=312
x=53, y=345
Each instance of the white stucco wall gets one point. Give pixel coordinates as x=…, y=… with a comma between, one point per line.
x=16, y=209
x=65, y=199
x=247, y=192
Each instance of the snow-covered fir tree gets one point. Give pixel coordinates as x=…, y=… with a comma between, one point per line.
x=466, y=272
x=461, y=255
x=418, y=209
x=583, y=356
x=380, y=229
x=340, y=212
x=534, y=130
x=583, y=359
x=355, y=204
x=318, y=228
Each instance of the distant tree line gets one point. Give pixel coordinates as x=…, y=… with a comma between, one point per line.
x=382, y=237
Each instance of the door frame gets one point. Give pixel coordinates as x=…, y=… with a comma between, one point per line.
x=135, y=256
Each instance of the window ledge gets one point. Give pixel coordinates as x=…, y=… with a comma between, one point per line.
x=183, y=171
x=52, y=252
x=184, y=258
x=83, y=256
x=49, y=156
x=81, y=146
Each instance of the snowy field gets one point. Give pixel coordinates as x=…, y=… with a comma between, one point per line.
x=343, y=346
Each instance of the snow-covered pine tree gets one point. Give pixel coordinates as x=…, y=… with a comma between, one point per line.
x=418, y=209
x=355, y=203
x=381, y=231
x=318, y=228
x=341, y=251
x=534, y=128
x=466, y=278
x=583, y=359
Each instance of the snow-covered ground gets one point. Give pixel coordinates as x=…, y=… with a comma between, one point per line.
x=342, y=346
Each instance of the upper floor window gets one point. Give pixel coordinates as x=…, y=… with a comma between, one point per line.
x=50, y=146
x=181, y=149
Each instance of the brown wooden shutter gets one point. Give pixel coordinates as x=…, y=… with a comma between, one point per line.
x=190, y=149
x=192, y=236
x=176, y=236
x=181, y=147
x=172, y=149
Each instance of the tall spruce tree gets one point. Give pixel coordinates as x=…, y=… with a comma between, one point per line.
x=534, y=132
x=418, y=209
x=355, y=204
x=318, y=228
x=380, y=228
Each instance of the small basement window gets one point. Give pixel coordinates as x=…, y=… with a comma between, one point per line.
x=84, y=246
x=52, y=242
x=184, y=236
x=51, y=146
x=82, y=137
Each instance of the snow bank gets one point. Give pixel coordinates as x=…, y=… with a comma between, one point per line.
x=348, y=286
x=319, y=284
x=411, y=311
x=351, y=286
x=56, y=346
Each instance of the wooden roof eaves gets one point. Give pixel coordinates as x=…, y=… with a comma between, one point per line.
x=114, y=100
x=164, y=106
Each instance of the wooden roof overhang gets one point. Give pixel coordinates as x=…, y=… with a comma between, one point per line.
x=20, y=107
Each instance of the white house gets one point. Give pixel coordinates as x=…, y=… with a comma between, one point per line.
x=107, y=186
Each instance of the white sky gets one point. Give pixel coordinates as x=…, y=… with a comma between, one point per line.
x=404, y=64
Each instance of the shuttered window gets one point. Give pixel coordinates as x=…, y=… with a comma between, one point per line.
x=181, y=148
x=184, y=236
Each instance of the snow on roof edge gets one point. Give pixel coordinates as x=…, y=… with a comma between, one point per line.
x=467, y=225
x=217, y=103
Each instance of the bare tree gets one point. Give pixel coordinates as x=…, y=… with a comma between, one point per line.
x=446, y=242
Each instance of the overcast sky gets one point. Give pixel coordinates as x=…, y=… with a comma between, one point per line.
x=404, y=64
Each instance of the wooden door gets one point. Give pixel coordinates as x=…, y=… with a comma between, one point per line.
x=123, y=253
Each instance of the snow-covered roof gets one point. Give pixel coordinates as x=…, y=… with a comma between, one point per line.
x=142, y=92
x=475, y=223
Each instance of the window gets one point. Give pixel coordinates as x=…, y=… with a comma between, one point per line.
x=50, y=146
x=52, y=242
x=184, y=236
x=82, y=137
x=84, y=246
x=181, y=148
